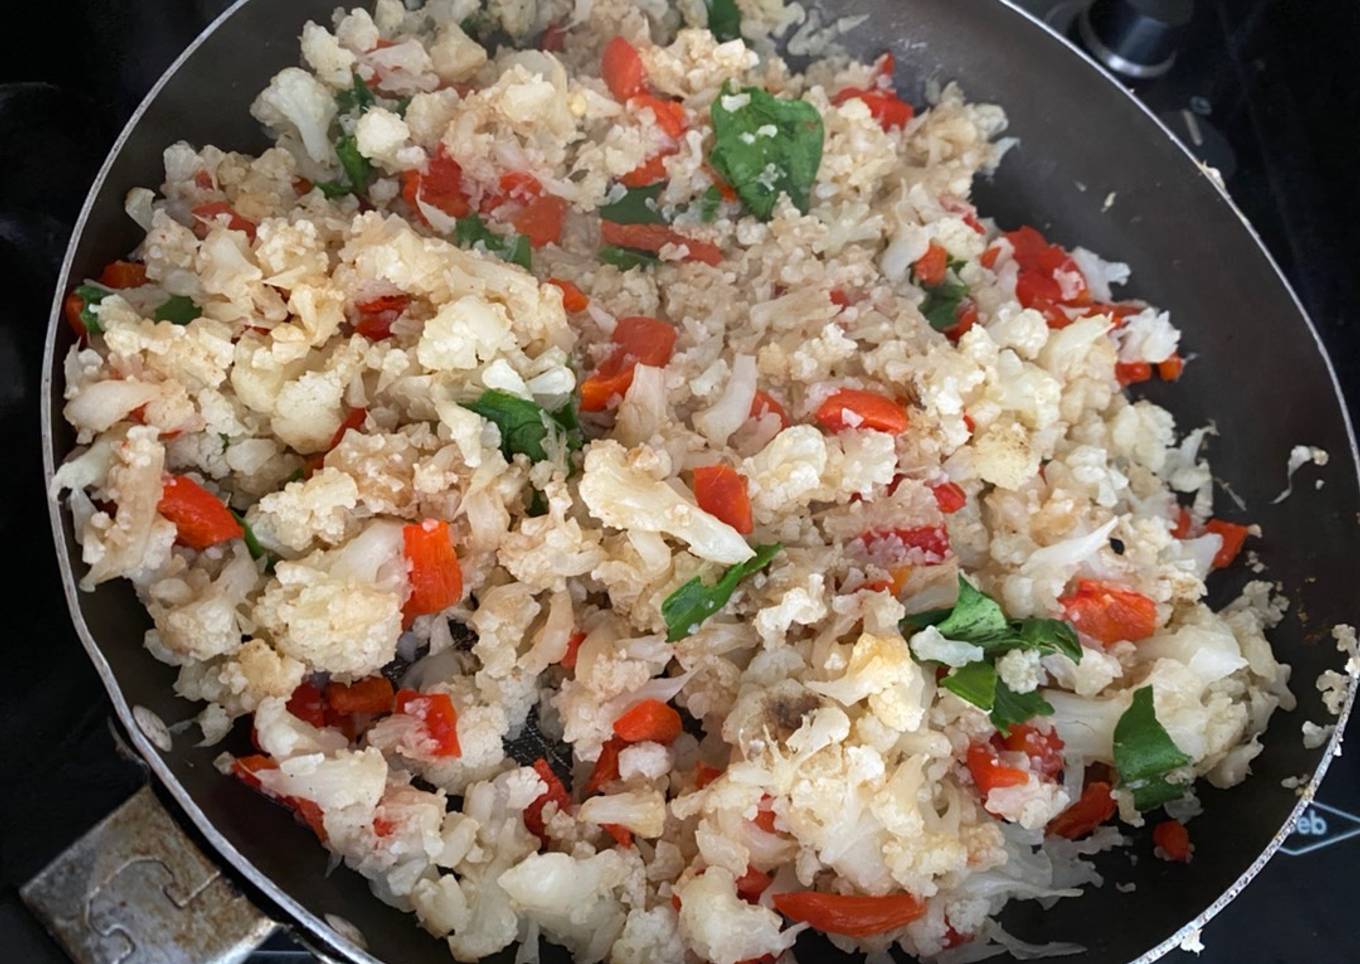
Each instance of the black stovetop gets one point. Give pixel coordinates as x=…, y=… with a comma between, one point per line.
x=1270, y=85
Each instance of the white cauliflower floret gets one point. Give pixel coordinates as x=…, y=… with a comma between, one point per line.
x=380, y=136
x=304, y=512
x=881, y=669
x=463, y=333
x=931, y=644
x=571, y=899
x=202, y=619
x=649, y=937
x=330, y=620
x=786, y=473
x=1032, y=804
x=296, y=102
x=349, y=778
x=641, y=811
x=440, y=905
x=1096, y=670
x=721, y=927
x=1086, y=726
x=619, y=490
x=455, y=55
x=496, y=806
x=134, y=538
x=239, y=682
x=99, y=405
x=1020, y=669
x=323, y=53
x=800, y=605
x=1147, y=337
x=649, y=760
x=283, y=735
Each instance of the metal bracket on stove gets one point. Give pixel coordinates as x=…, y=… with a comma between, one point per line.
x=136, y=887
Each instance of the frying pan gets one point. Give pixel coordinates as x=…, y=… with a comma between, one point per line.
x=1260, y=374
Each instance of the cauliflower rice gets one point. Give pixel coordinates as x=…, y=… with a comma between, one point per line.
x=964, y=620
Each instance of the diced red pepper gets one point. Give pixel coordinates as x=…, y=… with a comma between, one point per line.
x=123, y=274
x=966, y=316
x=855, y=408
x=764, y=818
x=541, y=220
x=606, y=769
x=554, y=38
x=764, y=403
x=1044, y=748
x=968, y=423
x=307, y=704
x=649, y=172
x=383, y=827
x=966, y=212
x=622, y=69
x=1184, y=523
x=654, y=237
x=1131, y=373
x=302, y=185
x=670, y=114
x=440, y=185
x=931, y=540
x=372, y=694
x=354, y=419
x=884, y=105
x=637, y=341
x=201, y=519
x=1094, y=808
x=720, y=491
x=648, y=720
x=555, y=793
x=1170, y=369
x=573, y=299
x=574, y=642
x=849, y=914
x=306, y=812
x=704, y=775
x=931, y=267
x=949, y=496
x=1036, y=286
x=437, y=714
x=752, y=884
x=203, y=180
x=1174, y=840
x=726, y=191
x=953, y=938
x=1109, y=612
x=377, y=315
x=436, y=579
x=621, y=834
x=71, y=309
x=213, y=210
x=1233, y=536
x=989, y=773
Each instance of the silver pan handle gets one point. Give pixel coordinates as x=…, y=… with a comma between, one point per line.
x=137, y=888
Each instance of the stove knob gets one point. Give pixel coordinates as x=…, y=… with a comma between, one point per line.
x=1135, y=38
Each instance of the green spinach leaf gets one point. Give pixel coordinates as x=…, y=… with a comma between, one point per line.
x=626, y=259
x=637, y=206
x=724, y=19
x=358, y=171
x=514, y=248
x=1144, y=753
x=355, y=97
x=694, y=602
x=525, y=425
x=90, y=295
x=179, y=309
x=976, y=683
x=767, y=147
x=941, y=304
x=1010, y=707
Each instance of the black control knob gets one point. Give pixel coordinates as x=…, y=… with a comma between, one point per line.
x=1137, y=39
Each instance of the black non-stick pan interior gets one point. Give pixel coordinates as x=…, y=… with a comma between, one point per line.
x=1257, y=371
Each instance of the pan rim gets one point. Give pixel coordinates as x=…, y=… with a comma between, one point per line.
x=319, y=927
